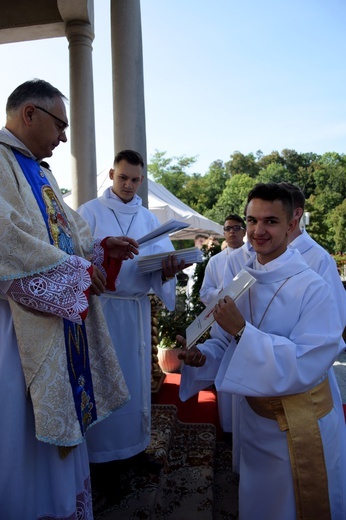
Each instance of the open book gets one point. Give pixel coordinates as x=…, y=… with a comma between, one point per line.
x=147, y=264
x=156, y=234
x=238, y=286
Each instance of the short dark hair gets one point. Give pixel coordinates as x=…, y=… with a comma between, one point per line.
x=36, y=91
x=298, y=196
x=272, y=191
x=237, y=218
x=200, y=235
x=129, y=156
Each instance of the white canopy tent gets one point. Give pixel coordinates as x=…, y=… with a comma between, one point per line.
x=166, y=206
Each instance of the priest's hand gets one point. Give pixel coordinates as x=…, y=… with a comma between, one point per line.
x=98, y=282
x=192, y=356
x=228, y=316
x=121, y=248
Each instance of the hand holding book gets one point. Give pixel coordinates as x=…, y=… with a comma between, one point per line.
x=192, y=356
x=147, y=264
x=240, y=283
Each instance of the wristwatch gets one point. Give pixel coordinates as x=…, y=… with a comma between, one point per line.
x=239, y=334
x=167, y=278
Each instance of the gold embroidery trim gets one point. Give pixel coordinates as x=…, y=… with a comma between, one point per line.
x=298, y=414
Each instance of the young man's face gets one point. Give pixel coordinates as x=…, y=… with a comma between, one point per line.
x=233, y=233
x=267, y=228
x=199, y=242
x=126, y=178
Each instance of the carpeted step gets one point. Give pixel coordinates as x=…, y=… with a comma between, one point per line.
x=164, y=418
x=186, y=484
x=183, y=490
x=225, y=488
x=136, y=488
x=195, y=483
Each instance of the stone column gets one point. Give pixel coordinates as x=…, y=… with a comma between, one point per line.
x=80, y=36
x=128, y=83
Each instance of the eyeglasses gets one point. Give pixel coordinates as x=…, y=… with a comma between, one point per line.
x=234, y=228
x=63, y=123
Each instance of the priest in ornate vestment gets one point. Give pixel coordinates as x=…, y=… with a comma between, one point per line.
x=59, y=374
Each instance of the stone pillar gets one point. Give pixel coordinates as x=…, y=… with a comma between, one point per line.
x=128, y=82
x=80, y=36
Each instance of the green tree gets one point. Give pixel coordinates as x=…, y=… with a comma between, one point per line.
x=321, y=226
x=338, y=219
x=224, y=188
x=171, y=172
x=241, y=164
x=195, y=193
x=233, y=198
x=213, y=183
x=304, y=178
x=295, y=168
x=330, y=173
x=292, y=161
x=273, y=158
x=274, y=172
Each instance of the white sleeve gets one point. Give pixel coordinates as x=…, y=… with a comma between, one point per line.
x=59, y=291
x=209, y=289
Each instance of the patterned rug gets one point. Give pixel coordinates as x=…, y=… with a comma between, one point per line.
x=225, y=489
x=195, y=482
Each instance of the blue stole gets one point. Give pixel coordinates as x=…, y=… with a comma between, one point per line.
x=76, y=343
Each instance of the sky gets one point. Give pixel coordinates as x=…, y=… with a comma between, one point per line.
x=219, y=76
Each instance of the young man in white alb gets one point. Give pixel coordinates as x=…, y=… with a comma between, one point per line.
x=234, y=232
x=126, y=433
x=274, y=349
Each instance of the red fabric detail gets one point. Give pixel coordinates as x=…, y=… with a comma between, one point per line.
x=201, y=408
x=111, y=266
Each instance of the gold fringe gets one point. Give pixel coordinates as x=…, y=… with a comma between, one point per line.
x=65, y=450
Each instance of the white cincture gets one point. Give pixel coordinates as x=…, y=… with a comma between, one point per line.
x=142, y=346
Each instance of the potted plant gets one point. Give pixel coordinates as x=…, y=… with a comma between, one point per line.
x=171, y=323
x=340, y=260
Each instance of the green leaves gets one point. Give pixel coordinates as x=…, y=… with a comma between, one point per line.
x=223, y=189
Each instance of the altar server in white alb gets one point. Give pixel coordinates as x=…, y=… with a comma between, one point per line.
x=315, y=255
x=58, y=370
x=234, y=232
x=128, y=310
x=273, y=349
x=213, y=283
x=317, y=258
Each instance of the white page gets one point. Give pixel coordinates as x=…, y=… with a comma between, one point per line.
x=159, y=232
x=150, y=263
x=240, y=284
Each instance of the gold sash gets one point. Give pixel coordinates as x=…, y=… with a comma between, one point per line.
x=298, y=414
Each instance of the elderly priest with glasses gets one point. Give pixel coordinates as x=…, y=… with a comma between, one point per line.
x=58, y=371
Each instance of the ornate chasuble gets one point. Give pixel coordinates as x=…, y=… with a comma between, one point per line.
x=76, y=343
